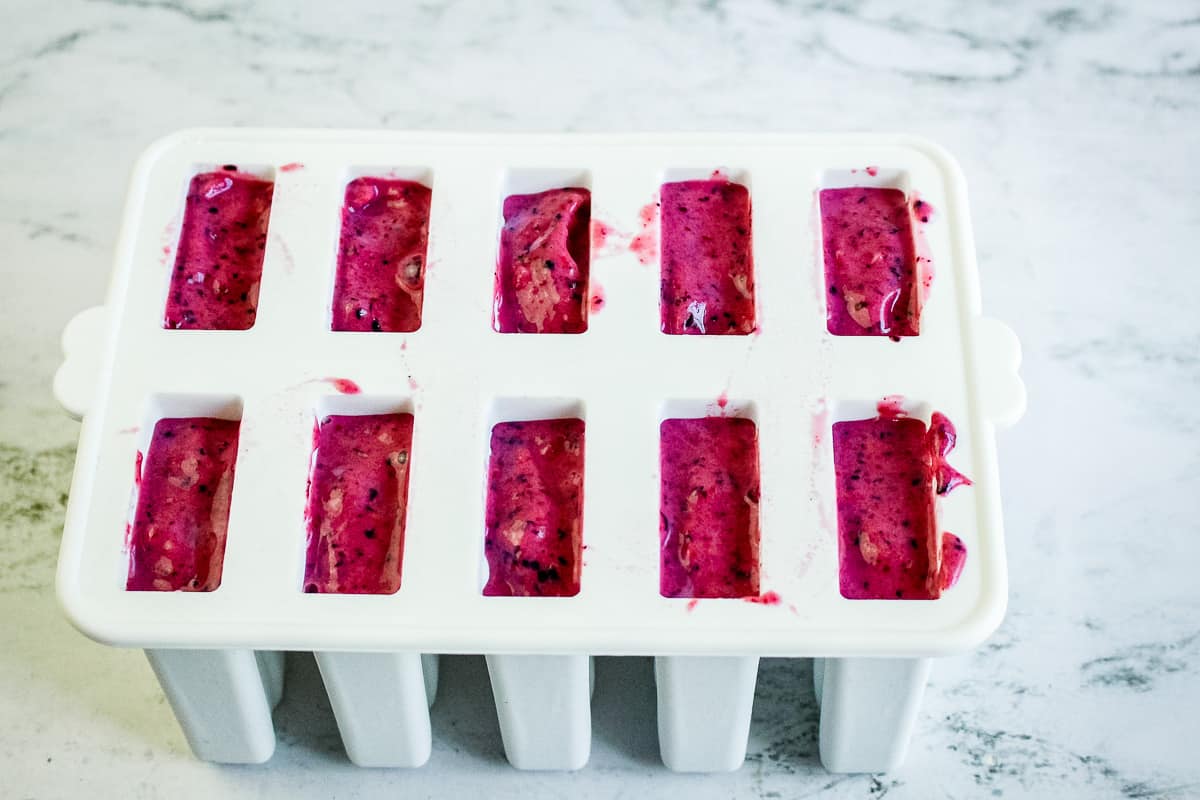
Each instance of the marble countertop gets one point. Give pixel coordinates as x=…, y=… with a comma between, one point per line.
x=1077, y=129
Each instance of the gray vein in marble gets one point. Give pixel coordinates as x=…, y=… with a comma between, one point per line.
x=1074, y=20
x=1137, y=667
x=925, y=53
x=187, y=10
x=33, y=497
x=61, y=44
x=36, y=230
x=999, y=757
x=1130, y=348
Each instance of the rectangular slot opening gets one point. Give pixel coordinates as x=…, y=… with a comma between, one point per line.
x=875, y=279
x=543, y=262
x=533, y=525
x=886, y=468
x=379, y=278
x=184, y=476
x=708, y=501
x=217, y=272
x=706, y=253
x=358, y=494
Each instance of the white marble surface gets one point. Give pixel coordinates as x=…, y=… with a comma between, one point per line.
x=1077, y=128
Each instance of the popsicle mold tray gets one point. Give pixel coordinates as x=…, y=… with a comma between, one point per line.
x=218, y=653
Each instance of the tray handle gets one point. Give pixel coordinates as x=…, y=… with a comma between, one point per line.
x=1002, y=391
x=78, y=376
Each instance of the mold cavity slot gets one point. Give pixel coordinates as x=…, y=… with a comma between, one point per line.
x=886, y=467
x=872, y=272
x=543, y=263
x=706, y=250
x=218, y=264
x=379, y=281
x=709, y=496
x=358, y=495
x=183, y=484
x=533, y=525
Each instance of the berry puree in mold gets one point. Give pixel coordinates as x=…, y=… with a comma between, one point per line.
x=890, y=469
x=177, y=542
x=542, y=271
x=871, y=263
x=708, y=523
x=707, y=266
x=534, y=532
x=381, y=258
x=357, y=499
x=214, y=285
